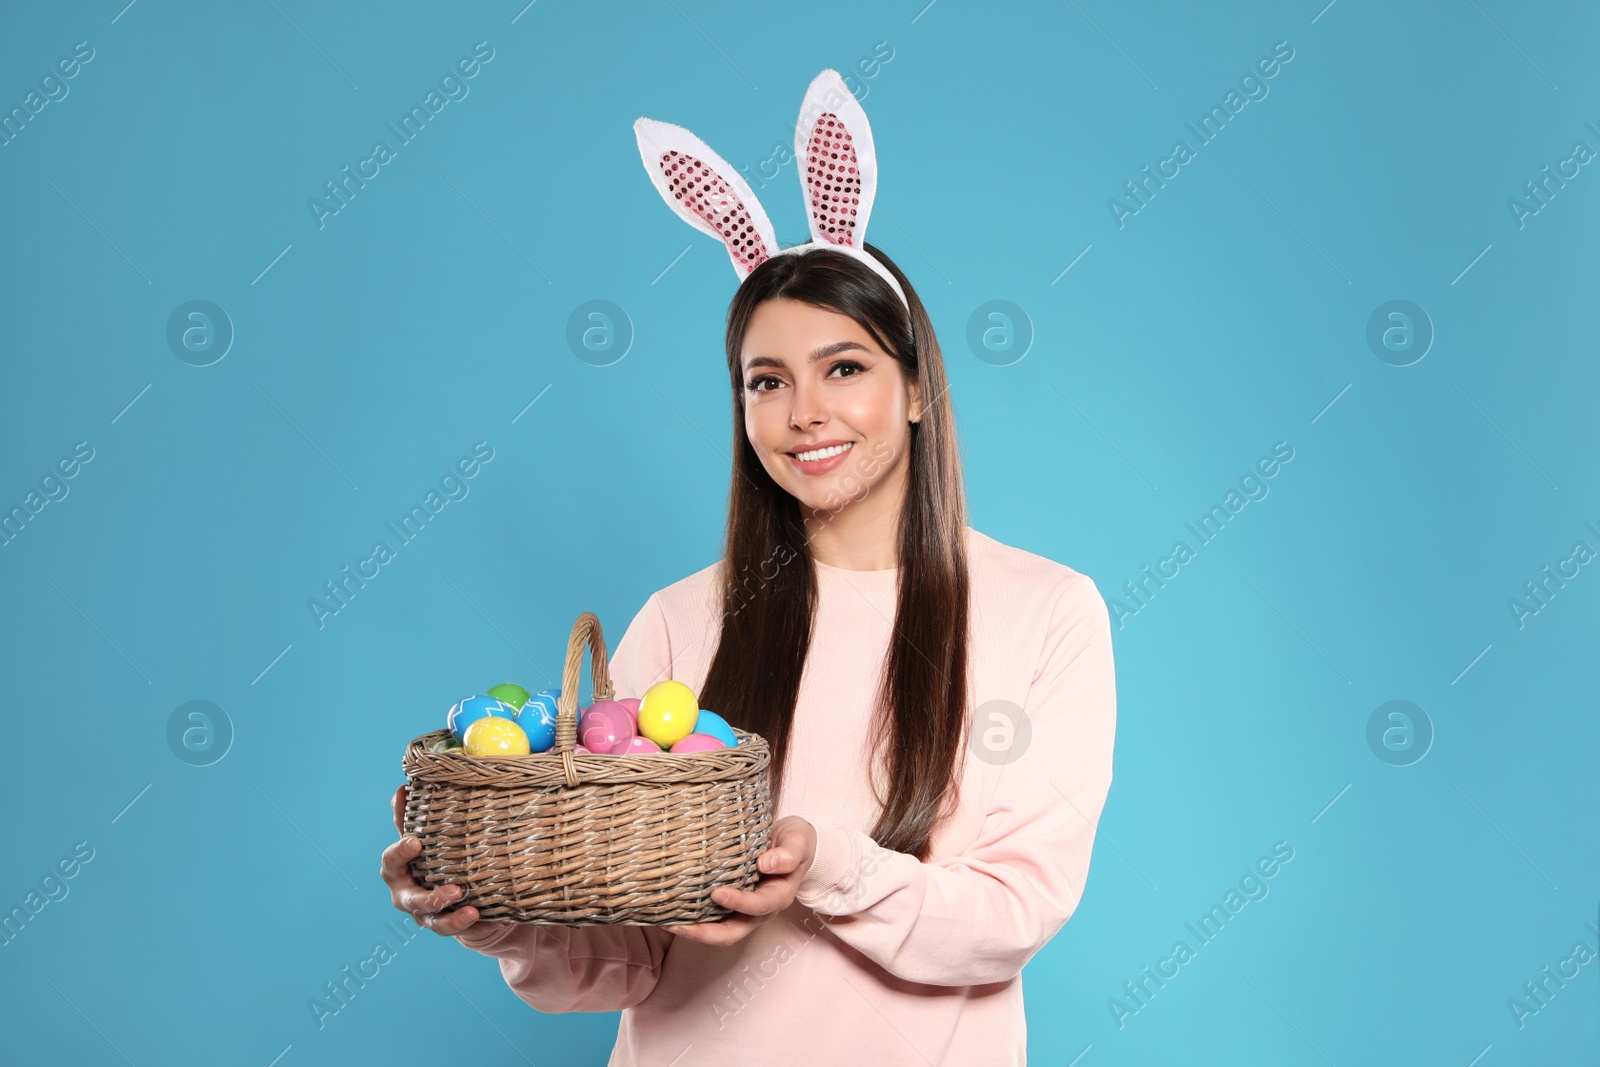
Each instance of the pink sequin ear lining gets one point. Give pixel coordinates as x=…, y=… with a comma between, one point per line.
x=833, y=181
x=704, y=192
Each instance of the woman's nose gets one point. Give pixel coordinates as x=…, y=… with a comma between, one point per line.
x=806, y=410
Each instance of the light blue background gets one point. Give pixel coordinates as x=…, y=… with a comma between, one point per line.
x=1230, y=313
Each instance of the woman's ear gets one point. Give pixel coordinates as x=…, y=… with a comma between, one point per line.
x=916, y=403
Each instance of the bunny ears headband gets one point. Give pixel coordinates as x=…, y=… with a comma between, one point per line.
x=839, y=177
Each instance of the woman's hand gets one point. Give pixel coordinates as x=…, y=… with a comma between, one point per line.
x=794, y=846
x=409, y=896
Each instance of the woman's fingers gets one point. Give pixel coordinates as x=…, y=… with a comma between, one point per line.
x=765, y=899
x=776, y=860
x=396, y=867
x=752, y=907
x=725, y=932
x=420, y=901
x=427, y=906
x=422, y=904
x=784, y=853
x=778, y=866
x=790, y=842
x=409, y=894
x=451, y=924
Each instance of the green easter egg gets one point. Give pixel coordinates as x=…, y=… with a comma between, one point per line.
x=509, y=693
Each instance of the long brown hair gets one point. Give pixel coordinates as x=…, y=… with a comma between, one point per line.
x=769, y=592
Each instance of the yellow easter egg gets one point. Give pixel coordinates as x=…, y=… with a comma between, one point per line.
x=493, y=735
x=667, y=712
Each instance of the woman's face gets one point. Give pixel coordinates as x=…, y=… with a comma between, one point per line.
x=817, y=385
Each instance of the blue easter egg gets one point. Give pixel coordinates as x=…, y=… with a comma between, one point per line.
x=709, y=722
x=468, y=711
x=538, y=720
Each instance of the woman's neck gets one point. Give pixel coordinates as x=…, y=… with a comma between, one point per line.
x=862, y=536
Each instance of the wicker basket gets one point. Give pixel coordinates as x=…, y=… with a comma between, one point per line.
x=582, y=840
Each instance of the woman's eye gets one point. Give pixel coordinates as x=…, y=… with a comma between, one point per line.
x=755, y=384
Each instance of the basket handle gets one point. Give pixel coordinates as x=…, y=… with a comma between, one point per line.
x=585, y=631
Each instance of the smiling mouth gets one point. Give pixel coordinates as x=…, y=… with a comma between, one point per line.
x=818, y=461
x=816, y=455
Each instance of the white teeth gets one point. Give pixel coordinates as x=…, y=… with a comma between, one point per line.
x=822, y=453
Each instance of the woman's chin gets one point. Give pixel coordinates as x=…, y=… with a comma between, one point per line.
x=819, y=496
x=811, y=502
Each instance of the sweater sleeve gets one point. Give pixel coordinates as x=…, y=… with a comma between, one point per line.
x=589, y=968
x=583, y=968
x=978, y=917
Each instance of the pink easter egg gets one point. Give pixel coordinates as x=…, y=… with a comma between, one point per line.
x=604, y=727
x=697, y=743
x=579, y=750
x=616, y=707
x=632, y=704
x=636, y=746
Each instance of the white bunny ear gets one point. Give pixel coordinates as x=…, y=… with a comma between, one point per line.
x=839, y=167
x=706, y=193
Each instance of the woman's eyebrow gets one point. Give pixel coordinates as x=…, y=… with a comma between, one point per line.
x=823, y=352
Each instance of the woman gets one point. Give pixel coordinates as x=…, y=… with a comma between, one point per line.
x=856, y=621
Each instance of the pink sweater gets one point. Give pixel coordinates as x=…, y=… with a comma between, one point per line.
x=882, y=959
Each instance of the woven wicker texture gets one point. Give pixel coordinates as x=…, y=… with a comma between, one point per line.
x=584, y=840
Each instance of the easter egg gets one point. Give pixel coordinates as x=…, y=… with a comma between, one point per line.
x=636, y=746
x=709, y=722
x=509, y=694
x=468, y=711
x=494, y=735
x=605, y=726
x=546, y=697
x=632, y=704
x=667, y=712
x=538, y=719
x=698, y=743
x=579, y=750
